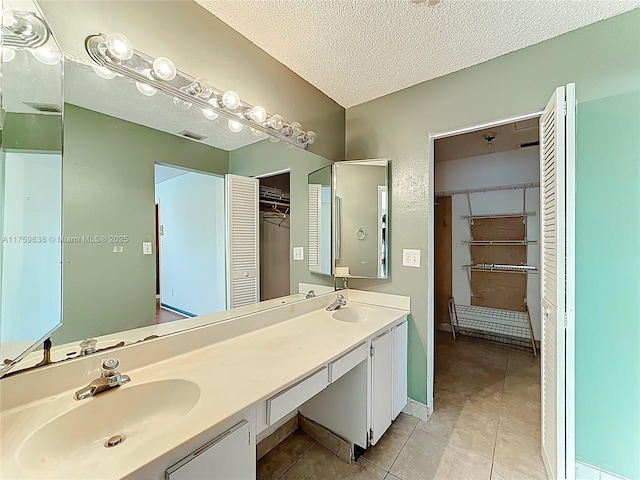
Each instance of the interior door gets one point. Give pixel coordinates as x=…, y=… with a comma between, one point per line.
x=557, y=141
x=243, y=262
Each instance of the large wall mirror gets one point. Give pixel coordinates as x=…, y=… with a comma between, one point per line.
x=348, y=209
x=30, y=182
x=144, y=230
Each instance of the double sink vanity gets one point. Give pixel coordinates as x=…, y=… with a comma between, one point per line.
x=198, y=400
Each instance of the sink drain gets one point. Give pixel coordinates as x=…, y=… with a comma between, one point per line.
x=114, y=441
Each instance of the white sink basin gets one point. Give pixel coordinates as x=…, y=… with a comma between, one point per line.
x=353, y=314
x=133, y=411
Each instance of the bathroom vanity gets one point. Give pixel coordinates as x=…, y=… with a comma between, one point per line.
x=198, y=399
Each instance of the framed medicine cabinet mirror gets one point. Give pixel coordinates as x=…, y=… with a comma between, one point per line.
x=348, y=210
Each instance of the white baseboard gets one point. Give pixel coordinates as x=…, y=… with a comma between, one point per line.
x=417, y=409
x=589, y=472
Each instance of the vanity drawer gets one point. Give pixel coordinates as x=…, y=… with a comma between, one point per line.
x=294, y=396
x=346, y=362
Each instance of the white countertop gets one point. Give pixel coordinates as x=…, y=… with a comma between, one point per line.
x=233, y=375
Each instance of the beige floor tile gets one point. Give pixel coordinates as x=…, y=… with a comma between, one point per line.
x=391, y=476
x=514, y=407
x=518, y=446
x=280, y=459
x=525, y=388
x=388, y=447
x=503, y=472
x=426, y=456
x=320, y=464
x=442, y=421
x=484, y=400
x=523, y=365
x=405, y=418
x=475, y=433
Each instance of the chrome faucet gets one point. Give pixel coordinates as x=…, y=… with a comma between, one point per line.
x=340, y=302
x=310, y=294
x=109, y=378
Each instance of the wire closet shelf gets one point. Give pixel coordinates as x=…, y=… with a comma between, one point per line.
x=502, y=326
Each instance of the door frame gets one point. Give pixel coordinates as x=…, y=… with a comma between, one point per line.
x=570, y=222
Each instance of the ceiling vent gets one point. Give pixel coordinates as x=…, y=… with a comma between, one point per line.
x=192, y=135
x=44, y=107
x=529, y=144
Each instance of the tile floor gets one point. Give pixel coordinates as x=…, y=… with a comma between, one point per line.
x=486, y=426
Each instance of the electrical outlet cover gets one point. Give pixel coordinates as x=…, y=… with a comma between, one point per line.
x=147, y=248
x=298, y=253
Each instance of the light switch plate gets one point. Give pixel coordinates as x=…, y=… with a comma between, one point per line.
x=147, y=248
x=298, y=253
x=410, y=258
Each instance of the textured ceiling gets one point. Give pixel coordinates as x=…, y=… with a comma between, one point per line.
x=358, y=50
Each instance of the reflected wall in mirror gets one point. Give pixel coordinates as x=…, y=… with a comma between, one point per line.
x=131, y=243
x=360, y=207
x=132, y=178
x=30, y=182
x=320, y=221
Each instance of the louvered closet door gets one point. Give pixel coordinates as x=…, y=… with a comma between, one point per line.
x=315, y=197
x=553, y=145
x=243, y=263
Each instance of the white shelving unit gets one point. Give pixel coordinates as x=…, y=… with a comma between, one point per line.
x=505, y=326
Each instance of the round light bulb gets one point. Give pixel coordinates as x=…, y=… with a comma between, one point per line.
x=7, y=17
x=296, y=129
x=276, y=122
x=46, y=55
x=231, y=100
x=8, y=54
x=209, y=113
x=143, y=88
x=258, y=114
x=181, y=104
x=311, y=137
x=235, y=126
x=103, y=72
x=119, y=46
x=164, y=69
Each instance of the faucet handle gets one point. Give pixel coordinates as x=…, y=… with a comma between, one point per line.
x=88, y=346
x=109, y=365
x=340, y=296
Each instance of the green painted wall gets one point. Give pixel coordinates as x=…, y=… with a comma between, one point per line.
x=203, y=46
x=30, y=131
x=608, y=284
x=109, y=189
x=604, y=61
x=267, y=157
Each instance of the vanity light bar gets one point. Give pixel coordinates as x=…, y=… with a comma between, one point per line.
x=23, y=29
x=114, y=52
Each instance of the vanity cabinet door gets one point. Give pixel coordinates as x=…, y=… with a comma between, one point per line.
x=230, y=456
x=399, y=367
x=381, y=385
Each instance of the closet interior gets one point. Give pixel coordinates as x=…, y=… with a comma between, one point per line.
x=486, y=234
x=275, y=215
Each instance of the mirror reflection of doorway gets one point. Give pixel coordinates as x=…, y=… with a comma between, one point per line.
x=275, y=236
x=190, y=243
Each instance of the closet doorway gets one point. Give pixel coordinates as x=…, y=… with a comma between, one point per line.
x=275, y=217
x=502, y=283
